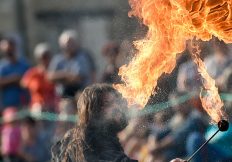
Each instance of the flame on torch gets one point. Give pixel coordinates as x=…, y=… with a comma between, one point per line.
x=170, y=23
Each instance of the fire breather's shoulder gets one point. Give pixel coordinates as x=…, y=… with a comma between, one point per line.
x=59, y=149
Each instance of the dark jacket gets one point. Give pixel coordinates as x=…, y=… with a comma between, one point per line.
x=102, y=148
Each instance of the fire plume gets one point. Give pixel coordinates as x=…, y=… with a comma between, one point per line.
x=209, y=96
x=170, y=23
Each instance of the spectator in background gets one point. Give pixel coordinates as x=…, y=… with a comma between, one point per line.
x=188, y=78
x=10, y=136
x=219, y=65
x=219, y=61
x=1, y=38
x=127, y=51
x=33, y=147
x=1, y=55
x=174, y=142
x=72, y=70
x=110, y=52
x=226, y=79
x=11, y=71
x=42, y=90
x=67, y=107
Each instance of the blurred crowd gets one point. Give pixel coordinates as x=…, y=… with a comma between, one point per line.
x=54, y=82
x=51, y=84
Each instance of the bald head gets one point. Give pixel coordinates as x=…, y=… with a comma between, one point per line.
x=68, y=42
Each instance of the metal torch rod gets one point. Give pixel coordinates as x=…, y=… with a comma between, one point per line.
x=190, y=158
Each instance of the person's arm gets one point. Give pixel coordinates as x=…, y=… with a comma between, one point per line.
x=67, y=77
x=73, y=78
x=26, y=78
x=166, y=142
x=55, y=76
x=9, y=80
x=55, y=73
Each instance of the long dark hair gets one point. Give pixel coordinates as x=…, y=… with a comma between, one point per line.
x=90, y=108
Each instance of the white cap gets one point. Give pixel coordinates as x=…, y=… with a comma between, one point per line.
x=41, y=49
x=68, y=34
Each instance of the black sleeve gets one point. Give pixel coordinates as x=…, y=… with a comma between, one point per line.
x=111, y=150
x=124, y=158
x=59, y=150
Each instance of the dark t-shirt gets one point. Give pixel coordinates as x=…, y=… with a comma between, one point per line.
x=109, y=150
x=13, y=95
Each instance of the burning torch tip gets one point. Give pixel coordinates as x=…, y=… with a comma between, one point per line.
x=223, y=125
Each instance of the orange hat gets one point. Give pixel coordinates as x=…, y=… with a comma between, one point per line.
x=9, y=114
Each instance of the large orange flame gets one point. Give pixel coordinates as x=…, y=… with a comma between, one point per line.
x=170, y=23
